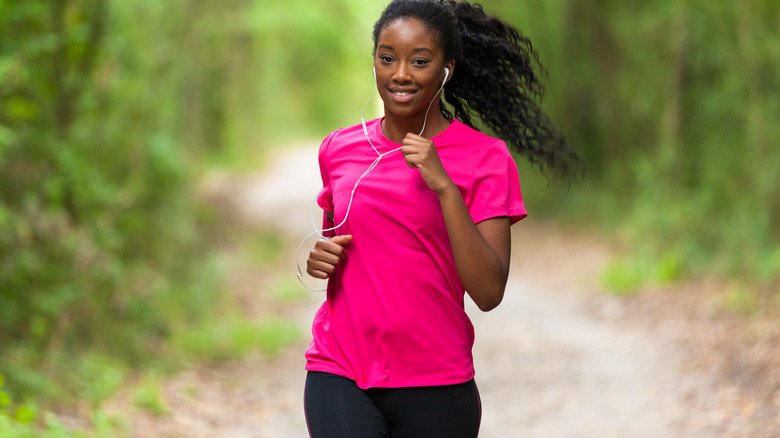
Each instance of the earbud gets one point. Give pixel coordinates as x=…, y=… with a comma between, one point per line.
x=374, y=73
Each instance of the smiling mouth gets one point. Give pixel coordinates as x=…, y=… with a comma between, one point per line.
x=403, y=93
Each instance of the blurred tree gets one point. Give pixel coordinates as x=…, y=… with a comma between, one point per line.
x=96, y=198
x=674, y=105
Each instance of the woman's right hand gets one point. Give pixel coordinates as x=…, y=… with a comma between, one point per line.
x=327, y=253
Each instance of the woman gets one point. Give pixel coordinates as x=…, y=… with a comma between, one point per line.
x=419, y=204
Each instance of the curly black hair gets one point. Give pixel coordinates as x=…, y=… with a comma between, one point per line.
x=496, y=80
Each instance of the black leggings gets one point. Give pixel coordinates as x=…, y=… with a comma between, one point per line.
x=337, y=408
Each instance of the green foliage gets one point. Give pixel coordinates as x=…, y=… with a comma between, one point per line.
x=28, y=421
x=108, y=112
x=97, y=378
x=101, y=243
x=58, y=377
x=235, y=338
x=674, y=104
x=288, y=289
x=320, y=77
x=264, y=247
x=623, y=277
x=148, y=396
x=286, y=70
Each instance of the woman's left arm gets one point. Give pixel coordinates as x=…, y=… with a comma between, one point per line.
x=481, y=251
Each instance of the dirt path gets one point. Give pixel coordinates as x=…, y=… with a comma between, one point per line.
x=556, y=359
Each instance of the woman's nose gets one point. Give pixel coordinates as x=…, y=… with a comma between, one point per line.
x=401, y=73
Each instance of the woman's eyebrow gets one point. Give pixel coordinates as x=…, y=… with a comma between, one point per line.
x=417, y=49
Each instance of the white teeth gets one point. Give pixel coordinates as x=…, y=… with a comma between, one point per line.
x=404, y=93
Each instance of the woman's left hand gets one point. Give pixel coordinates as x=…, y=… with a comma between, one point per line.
x=420, y=152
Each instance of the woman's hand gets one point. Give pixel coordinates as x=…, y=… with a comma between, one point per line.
x=326, y=255
x=420, y=153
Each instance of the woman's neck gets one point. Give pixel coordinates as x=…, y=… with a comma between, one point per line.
x=395, y=128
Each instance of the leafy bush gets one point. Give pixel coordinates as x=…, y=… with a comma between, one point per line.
x=109, y=111
x=100, y=236
x=674, y=104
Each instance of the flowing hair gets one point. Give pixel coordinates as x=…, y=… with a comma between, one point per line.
x=496, y=80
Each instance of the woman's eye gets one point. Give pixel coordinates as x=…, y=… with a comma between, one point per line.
x=386, y=59
x=420, y=61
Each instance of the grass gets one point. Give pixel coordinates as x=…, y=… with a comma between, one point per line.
x=625, y=276
x=235, y=338
x=27, y=420
x=148, y=396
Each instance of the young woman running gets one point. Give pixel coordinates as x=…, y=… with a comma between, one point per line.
x=418, y=205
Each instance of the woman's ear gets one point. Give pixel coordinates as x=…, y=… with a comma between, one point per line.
x=449, y=70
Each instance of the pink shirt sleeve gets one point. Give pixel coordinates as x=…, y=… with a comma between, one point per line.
x=325, y=197
x=495, y=187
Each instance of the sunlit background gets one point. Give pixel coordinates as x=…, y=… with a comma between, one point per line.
x=112, y=114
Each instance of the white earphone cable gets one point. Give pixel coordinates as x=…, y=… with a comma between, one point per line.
x=354, y=189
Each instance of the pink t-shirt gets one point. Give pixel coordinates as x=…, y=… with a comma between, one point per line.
x=394, y=312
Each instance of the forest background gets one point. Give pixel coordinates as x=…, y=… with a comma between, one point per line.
x=112, y=112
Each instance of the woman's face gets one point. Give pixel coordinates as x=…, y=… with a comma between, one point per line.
x=409, y=67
